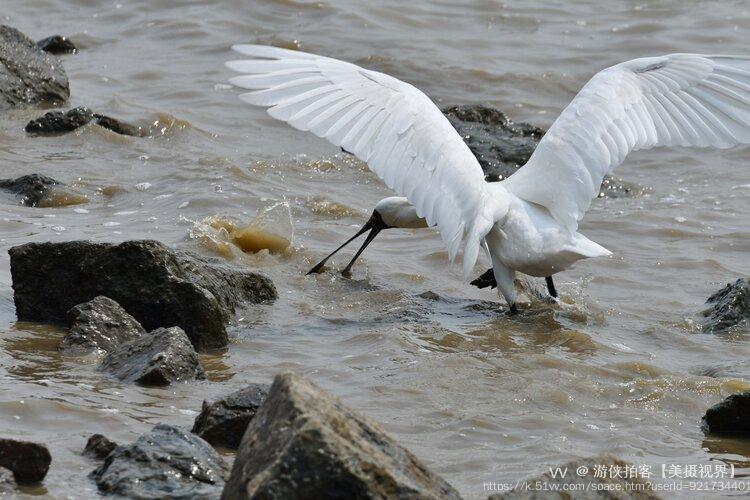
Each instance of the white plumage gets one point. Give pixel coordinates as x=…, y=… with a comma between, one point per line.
x=529, y=221
x=388, y=124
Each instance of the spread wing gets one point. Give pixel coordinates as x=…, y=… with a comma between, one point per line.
x=387, y=123
x=673, y=100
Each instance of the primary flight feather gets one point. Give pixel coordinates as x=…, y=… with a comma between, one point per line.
x=528, y=222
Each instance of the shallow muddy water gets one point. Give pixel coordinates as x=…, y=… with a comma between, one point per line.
x=478, y=396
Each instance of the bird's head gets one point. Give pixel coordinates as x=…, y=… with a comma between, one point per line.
x=389, y=212
x=396, y=211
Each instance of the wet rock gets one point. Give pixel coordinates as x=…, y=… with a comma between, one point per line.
x=502, y=146
x=728, y=307
x=304, y=443
x=98, y=446
x=7, y=482
x=166, y=462
x=158, y=358
x=28, y=461
x=31, y=188
x=117, y=126
x=99, y=324
x=615, y=484
x=223, y=422
x=57, y=123
x=27, y=74
x=730, y=417
x=57, y=44
x=156, y=285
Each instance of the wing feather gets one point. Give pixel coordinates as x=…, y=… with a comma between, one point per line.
x=391, y=125
x=686, y=100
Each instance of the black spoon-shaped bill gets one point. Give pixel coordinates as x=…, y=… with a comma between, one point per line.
x=375, y=224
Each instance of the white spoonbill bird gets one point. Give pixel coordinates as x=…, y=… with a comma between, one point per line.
x=529, y=221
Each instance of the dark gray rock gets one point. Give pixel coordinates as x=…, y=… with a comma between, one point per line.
x=578, y=485
x=730, y=417
x=98, y=446
x=223, y=422
x=31, y=188
x=156, y=285
x=7, y=482
x=57, y=44
x=99, y=324
x=166, y=462
x=500, y=145
x=118, y=126
x=503, y=146
x=157, y=358
x=57, y=123
x=728, y=307
x=28, y=461
x=27, y=74
x=304, y=443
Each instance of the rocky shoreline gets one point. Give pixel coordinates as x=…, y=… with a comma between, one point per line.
x=146, y=310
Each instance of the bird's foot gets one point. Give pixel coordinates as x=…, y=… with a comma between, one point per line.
x=513, y=309
x=487, y=279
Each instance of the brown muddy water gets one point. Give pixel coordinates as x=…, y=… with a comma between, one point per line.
x=476, y=395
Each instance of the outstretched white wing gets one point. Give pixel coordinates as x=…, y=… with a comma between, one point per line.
x=389, y=124
x=673, y=100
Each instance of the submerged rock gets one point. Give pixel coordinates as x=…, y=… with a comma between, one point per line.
x=98, y=446
x=304, y=443
x=7, y=481
x=117, y=126
x=502, y=146
x=156, y=285
x=57, y=44
x=614, y=477
x=223, y=422
x=166, y=462
x=728, y=307
x=55, y=123
x=158, y=358
x=31, y=188
x=58, y=122
x=99, y=324
x=28, y=461
x=27, y=74
x=730, y=417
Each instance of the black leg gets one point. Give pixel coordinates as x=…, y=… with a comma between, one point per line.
x=551, y=286
x=513, y=309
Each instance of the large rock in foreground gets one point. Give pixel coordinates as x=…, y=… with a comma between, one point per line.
x=614, y=479
x=164, y=463
x=158, y=286
x=27, y=74
x=28, y=461
x=502, y=146
x=157, y=358
x=304, y=443
x=99, y=325
x=223, y=422
x=730, y=417
x=728, y=307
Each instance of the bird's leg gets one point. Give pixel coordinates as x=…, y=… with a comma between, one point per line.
x=551, y=286
x=506, y=283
